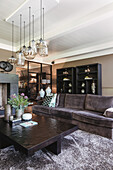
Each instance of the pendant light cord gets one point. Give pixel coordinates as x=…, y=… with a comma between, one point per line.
x=33, y=26
x=29, y=24
x=24, y=33
x=20, y=29
x=12, y=36
x=43, y=23
x=40, y=19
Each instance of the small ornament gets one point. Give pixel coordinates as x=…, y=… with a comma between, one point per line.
x=70, y=85
x=82, y=91
x=69, y=90
x=83, y=85
x=93, y=87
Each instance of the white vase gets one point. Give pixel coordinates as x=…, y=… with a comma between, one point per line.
x=48, y=91
x=42, y=93
x=19, y=113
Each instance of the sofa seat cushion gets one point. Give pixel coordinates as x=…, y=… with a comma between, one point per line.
x=92, y=117
x=41, y=109
x=62, y=112
x=75, y=101
x=98, y=103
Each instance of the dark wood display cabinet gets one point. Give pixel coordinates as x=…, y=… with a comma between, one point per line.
x=88, y=79
x=40, y=76
x=66, y=80
x=36, y=76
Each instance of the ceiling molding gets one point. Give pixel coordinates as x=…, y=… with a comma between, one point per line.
x=14, y=12
x=86, y=55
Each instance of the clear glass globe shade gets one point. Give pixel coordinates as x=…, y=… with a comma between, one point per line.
x=12, y=60
x=43, y=52
x=38, y=43
x=42, y=44
x=20, y=59
x=34, y=47
x=29, y=53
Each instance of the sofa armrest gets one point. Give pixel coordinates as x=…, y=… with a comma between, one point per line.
x=39, y=102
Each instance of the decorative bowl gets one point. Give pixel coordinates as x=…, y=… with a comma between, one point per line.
x=27, y=116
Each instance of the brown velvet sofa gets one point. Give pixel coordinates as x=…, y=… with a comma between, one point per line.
x=84, y=110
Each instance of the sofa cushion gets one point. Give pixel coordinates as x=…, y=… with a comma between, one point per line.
x=75, y=101
x=108, y=112
x=62, y=112
x=41, y=109
x=61, y=100
x=92, y=117
x=98, y=103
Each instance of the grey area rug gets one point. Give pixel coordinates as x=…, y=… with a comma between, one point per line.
x=80, y=151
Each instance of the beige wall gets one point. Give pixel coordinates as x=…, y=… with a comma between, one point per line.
x=4, y=55
x=107, y=71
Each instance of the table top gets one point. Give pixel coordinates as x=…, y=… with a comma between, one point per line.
x=47, y=128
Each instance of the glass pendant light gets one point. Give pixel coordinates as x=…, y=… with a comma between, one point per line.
x=43, y=49
x=29, y=52
x=12, y=60
x=33, y=43
x=24, y=47
x=20, y=55
x=40, y=40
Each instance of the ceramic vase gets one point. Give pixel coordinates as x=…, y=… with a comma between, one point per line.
x=7, y=112
x=48, y=91
x=19, y=113
x=42, y=93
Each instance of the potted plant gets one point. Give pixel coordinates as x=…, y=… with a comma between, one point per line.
x=19, y=102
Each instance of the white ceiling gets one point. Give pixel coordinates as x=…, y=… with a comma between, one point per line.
x=74, y=29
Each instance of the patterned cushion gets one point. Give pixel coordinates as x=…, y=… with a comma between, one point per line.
x=53, y=101
x=47, y=101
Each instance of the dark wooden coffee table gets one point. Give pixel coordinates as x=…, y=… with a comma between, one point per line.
x=47, y=134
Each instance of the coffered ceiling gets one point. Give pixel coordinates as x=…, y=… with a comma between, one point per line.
x=74, y=29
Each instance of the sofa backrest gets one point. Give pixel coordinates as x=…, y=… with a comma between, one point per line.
x=98, y=103
x=75, y=101
x=60, y=100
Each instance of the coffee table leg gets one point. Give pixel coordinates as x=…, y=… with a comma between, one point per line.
x=4, y=144
x=55, y=147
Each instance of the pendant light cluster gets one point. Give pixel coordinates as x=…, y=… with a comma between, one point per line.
x=34, y=48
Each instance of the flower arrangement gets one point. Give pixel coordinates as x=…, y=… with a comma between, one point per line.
x=18, y=101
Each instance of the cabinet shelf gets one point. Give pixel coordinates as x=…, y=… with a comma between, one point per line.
x=95, y=73
x=91, y=72
x=87, y=79
x=64, y=75
x=63, y=85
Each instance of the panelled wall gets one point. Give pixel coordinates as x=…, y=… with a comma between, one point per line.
x=107, y=71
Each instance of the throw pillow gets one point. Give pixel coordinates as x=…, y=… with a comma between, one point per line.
x=53, y=101
x=109, y=112
x=47, y=100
